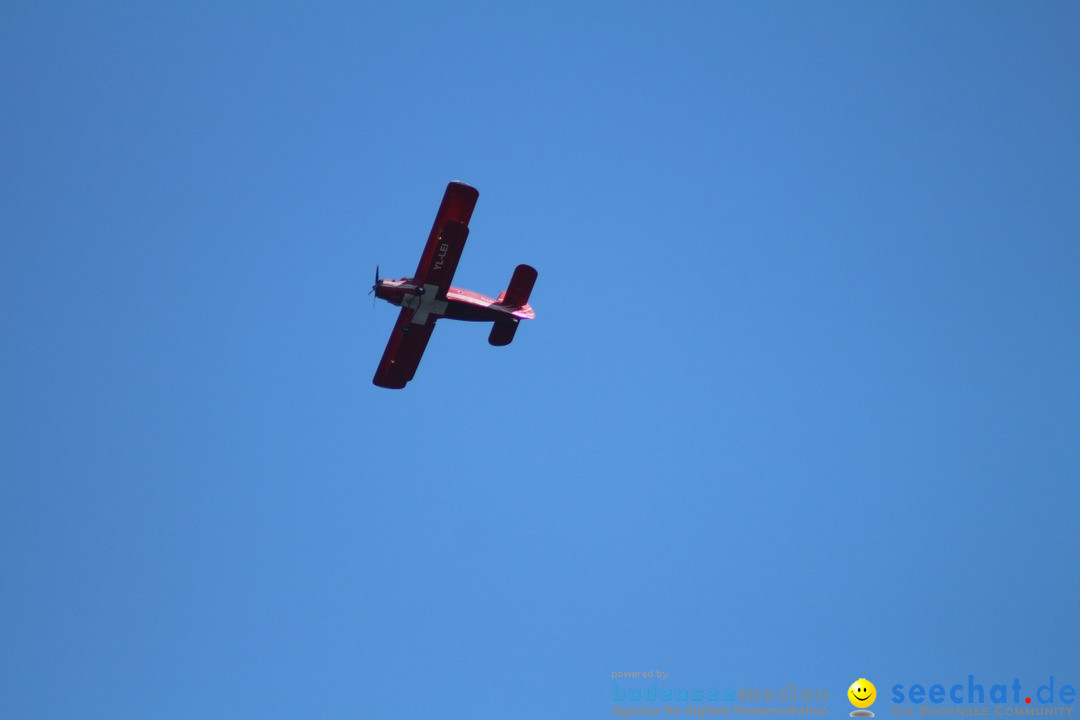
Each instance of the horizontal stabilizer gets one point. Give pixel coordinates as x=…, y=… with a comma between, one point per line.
x=521, y=285
x=502, y=332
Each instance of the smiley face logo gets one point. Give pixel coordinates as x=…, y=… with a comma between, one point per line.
x=862, y=693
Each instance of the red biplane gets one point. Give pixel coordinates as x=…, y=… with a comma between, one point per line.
x=428, y=296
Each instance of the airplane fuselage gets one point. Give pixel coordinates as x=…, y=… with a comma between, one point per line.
x=459, y=304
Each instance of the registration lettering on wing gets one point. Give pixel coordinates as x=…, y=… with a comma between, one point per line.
x=440, y=257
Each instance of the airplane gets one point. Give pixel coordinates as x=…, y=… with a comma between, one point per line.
x=428, y=296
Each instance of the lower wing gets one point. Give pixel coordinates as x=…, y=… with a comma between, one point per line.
x=404, y=350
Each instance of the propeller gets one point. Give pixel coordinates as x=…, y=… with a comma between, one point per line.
x=375, y=286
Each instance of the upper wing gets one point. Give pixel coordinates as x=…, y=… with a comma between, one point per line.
x=450, y=243
x=457, y=206
x=404, y=350
x=435, y=272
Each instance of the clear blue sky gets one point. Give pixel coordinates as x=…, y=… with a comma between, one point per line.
x=801, y=403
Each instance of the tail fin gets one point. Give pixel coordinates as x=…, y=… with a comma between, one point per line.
x=521, y=285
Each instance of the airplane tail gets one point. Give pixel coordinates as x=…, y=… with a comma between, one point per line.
x=515, y=296
x=502, y=332
x=521, y=285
